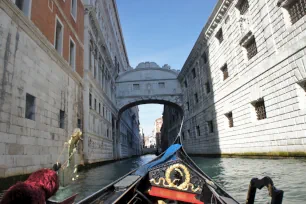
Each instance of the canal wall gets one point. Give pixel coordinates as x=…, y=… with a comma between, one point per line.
x=244, y=83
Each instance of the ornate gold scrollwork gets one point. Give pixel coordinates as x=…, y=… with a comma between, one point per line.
x=183, y=171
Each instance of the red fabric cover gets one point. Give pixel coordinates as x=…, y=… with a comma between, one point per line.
x=40, y=185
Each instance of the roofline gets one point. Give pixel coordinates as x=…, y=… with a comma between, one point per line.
x=120, y=30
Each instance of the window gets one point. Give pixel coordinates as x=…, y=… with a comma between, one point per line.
x=187, y=105
x=161, y=85
x=185, y=83
x=243, y=6
x=296, y=10
x=99, y=108
x=136, y=86
x=193, y=73
x=58, y=43
x=30, y=107
x=230, y=119
x=207, y=87
x=183, y=135
x=251, y=48
x=219, y=35
x=225, y=72
x=188, y=131
x=80, y=123
x=90, y=101
x=103, y=111
x=72, y=54
x=204, y=57
x=210, y=126
x=196, y=98
x=95, y=104
x=62, y=119
x=260, y=110
x=24, y=6
x=74, y=8
x=198, y=131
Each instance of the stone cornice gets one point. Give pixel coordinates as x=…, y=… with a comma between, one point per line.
x=69, y=24
x=34, y=33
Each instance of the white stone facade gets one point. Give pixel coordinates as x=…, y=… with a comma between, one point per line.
x=29, y=64
x=105, y=57
x=276, y=75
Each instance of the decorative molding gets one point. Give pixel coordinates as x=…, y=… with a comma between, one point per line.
x=34, y=33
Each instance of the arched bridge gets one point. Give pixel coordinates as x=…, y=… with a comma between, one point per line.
x=148, y=83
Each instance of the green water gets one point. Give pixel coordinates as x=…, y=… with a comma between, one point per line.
x=233, y=174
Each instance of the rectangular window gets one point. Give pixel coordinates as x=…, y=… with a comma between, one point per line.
x=260, y=110
x=193, y=73
x=196, y=98
x=59, y=28
x=90, y=101
x=72, y=54
x=24, y=6
x=243, y=6
x=136, y=86
x=62, y=119
x=219, y=35
x=30, y=107
x=80, y=123
x=74, y=8
x=99, y=108
x=210, y=126
x=161, y=85
x=296, y=10
x=198, y=131
x=95, y=104
x=230, y=119
x=251, y=48
x=225, y=72
x=185, y=83
x=103, y=111
x=207, y=88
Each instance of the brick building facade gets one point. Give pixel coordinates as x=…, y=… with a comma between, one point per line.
x=244, y=81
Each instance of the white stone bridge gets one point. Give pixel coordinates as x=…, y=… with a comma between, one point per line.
x=148, y=83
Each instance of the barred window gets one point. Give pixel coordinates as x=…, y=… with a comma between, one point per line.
x=260, y=110
x=251, y=48
x=225, y=72
x=243, y=7
x=219, y=35
x=210, y=126
x=230, y=119
x=207, y=87
x=193, y=73
x=296, y=10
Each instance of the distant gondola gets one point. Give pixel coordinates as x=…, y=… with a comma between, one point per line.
x=174, y=178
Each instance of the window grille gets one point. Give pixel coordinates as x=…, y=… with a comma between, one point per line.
x=225, y=72
x=251, y=48
x=219, y=35
x=243, y=7
x=260, y=110
x=210, y=126
x=296, y=10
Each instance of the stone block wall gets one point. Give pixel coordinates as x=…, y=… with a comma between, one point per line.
x=276, y=75
x=30, y=65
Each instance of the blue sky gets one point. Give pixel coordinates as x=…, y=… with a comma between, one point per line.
x=161, y=31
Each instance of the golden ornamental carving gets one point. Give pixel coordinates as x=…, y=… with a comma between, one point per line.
x=183, y=171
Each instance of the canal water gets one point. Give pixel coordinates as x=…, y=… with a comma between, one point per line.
x=233, y=174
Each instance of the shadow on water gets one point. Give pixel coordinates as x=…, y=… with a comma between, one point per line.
x=92, y=180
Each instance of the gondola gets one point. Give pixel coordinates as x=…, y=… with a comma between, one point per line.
x=174, y=178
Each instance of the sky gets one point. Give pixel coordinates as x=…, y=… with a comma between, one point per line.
x=161, y=31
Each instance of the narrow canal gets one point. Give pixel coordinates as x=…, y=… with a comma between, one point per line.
x=233, y=174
